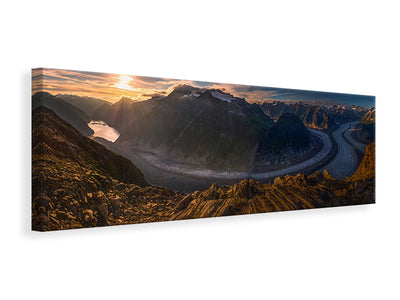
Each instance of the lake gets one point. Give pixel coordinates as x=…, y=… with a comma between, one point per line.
x=101, y=129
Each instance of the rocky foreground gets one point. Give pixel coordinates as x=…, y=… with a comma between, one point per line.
x=78, y=183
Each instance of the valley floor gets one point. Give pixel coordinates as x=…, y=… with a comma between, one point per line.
x=346, y=161
x=78, y=183
x=188, y=179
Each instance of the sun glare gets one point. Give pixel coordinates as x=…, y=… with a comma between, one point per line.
x=124, y=82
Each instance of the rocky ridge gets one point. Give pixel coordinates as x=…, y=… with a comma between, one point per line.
x=78, y=183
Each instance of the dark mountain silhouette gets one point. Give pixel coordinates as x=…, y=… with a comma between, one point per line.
x=312, y=116
x=77, y=118
x=194, y=126
x=124, y=114
x=288, y=134
x=210, y=127
x=342, y=114
x=54, y=137
x=86, y=104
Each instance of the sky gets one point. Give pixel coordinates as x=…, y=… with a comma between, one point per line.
x=112, y=87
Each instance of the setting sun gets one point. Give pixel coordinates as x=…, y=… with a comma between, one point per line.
x=124, y=82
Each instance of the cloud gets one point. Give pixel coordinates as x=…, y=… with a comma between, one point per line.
x=108, y=86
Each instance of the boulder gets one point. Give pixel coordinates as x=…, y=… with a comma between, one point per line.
x=87, y=217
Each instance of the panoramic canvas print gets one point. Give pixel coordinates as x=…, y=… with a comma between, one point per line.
x=111, y=149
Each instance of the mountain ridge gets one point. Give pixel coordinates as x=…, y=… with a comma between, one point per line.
x=66, y=111
x=72, y=186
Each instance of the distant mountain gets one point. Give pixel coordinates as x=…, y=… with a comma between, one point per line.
x=124, y=114
x=366, y=130
x=369, y=117
x=342, y=114
x=77, y=118
x=314, y=116
x=86, y=104
x=196, y=126
x=204, y=128
x=288, y=134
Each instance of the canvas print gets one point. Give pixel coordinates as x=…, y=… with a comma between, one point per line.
x=111, y=149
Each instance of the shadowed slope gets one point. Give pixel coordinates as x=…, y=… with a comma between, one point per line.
x=68, y=112
x=77, y=182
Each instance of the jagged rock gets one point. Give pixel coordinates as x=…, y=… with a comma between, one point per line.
x=316, y=177
x=211, y=193
x=245, y=189
x=101, y=197
x=366, y=169
x=279, y=181
x=227, y=211
x=196, y=194
x=184, y=203
x=327, y=176
x=62, y=215
x=300, y=179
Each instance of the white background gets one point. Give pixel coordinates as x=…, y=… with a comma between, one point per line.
x=337, y=253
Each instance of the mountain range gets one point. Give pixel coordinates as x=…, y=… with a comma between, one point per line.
x=204, y=127
x=366, y=129
x=86, y=104
x=315, y=116
x=73, y=115
x=78, y=183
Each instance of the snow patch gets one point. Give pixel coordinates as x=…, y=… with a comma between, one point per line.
x=222, y=96
x=190, y=96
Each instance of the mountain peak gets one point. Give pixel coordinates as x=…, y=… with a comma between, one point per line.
x=43, y=95
x=127, y=99
x=223, y=96
x=124, y=100
x=185, y=88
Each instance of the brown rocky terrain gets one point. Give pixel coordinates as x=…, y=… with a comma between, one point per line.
x=365, y=132
x=78, y=183
x=288, y=193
